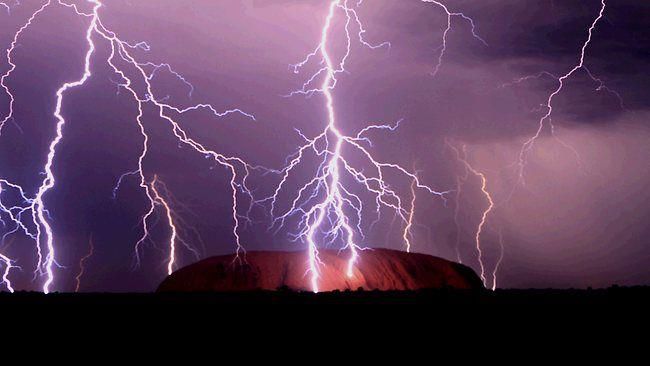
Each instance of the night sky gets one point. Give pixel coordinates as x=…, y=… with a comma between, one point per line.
x=578, y=218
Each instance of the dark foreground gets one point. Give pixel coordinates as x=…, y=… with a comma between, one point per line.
x=630, y=297
x=447, y=315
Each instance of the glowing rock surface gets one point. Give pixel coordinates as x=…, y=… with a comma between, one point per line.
x=379, y=269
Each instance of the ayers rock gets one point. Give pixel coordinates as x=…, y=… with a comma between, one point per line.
x=379, y=269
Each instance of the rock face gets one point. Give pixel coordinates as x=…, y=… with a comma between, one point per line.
x=379, y=269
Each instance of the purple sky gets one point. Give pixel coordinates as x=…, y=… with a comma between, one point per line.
x=578, y=219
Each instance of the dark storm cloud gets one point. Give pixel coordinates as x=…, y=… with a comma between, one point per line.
x=544, y=35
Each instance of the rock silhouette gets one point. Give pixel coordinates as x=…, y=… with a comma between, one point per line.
x=377, y=269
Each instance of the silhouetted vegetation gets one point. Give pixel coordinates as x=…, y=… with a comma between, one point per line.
x=629, y=296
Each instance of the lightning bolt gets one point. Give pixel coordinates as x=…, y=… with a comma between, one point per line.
x=13, y=214
x=238, y=168
x=35, y=205
x=459, y=191
x=12, y=65
x=326, y=205
x=499, y=260
x=542, y=123
x=450, y=15
x=548, y=105
x=7, y=6
x=484, y=217
x=162, y=197
x=121, y=51
x=407, y=235
x=45, y=234
x=461, y=156
x=170, y=221
x=82, y=263
x=8, y=266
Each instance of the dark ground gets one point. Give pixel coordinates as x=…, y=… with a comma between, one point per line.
x=629, y=297
x=424, y=320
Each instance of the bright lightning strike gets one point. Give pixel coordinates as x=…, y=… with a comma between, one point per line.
x=123, y=63
x=461, y=156
x=38, y=207
x=14, y=223
x=548, y=106
x=499, y=260
x=170, y=221
x=407, y=235
x=162, y=197
x=43, y=235
x=327, y=207
x=8, y=266
x=12, y=65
